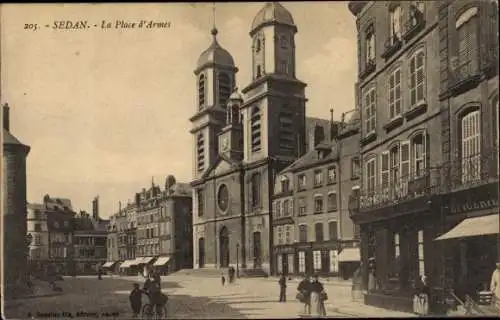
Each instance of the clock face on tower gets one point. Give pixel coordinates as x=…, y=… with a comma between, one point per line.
x=223, y=198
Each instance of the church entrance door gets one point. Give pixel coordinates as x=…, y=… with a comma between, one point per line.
x=224, y=248
x=257, y=250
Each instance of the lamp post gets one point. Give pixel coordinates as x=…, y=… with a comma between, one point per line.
x=237, y=259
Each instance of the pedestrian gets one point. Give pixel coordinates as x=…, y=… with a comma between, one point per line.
x=99, y=274
x=135, y=298
x=318, y=297
x=304, y=294
x=421, y=297
x=282, y=283
x=223, y=279
x=495, y=286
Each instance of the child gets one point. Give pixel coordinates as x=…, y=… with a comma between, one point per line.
x=136, y=300
x=223, y=279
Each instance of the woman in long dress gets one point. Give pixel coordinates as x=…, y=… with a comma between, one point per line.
x=317, y=302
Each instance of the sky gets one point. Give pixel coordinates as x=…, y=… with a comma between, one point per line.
x=105, y=111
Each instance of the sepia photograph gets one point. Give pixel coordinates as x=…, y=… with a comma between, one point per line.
x=250, y=160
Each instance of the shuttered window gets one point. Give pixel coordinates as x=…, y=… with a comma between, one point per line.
x=466, y=26
x=370, y=175
x=384, y=170
x=417, y=78
x=395, y=93
x=471, y=146
x=303, y=233
x=369, y=107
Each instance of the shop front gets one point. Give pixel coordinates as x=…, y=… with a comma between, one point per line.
x=162, y=265
x=285, y=260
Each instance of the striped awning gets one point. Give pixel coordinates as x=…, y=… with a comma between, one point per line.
x=472, y=227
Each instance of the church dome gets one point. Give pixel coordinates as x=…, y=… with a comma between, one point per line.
x=272, y=12
x=215, y=54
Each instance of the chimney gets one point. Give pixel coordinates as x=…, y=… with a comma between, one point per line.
x=6, y=117
x=334, y=128
x=95, y=208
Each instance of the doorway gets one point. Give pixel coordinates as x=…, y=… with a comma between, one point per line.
x=257, y=250
x=201, y=252
x=224, y=248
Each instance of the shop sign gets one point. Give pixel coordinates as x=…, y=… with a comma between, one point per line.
x=279, y=250
x=467, y=206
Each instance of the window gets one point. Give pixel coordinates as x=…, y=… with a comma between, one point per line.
x=317, y=260
x=332, y=201
x=318, y=204
x=466, y=26
x=421, y=264
x=394, y=166
x=257, y=46
x=302, y=261
x=396, y=246
x=369, y=107
x=395, y=94
x=255, y=128
x=318, y=231
x=417, y=9
x=471, y=147
x=318, y=178
x=332, y=175
x=283, y=66
x=285, y=184
x=38, y=227
x=286, y=134
x=334, y=266
x=284, y=42
x=285, y=207
x=224, y=89
x=290, y=208
x=259, y=73
x=288, y=234
x=332, y=230
x=201, y=91
x=201, y=202
x=417, y=78
x=279, y=263
x=278, y=209
x=396, y=20
x=418, y=146
x=37, y=240
x=355, y=168
x=302, y=207
x=370, y=45
x=302, y=182
x=255, y=188
x=370, y=175
x=279, y=230
x=200, y=150
x=303, y=233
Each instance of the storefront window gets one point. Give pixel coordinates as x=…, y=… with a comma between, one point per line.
x=290, y=263
x=334, y=264
x=317, y=260
x=302, y=262
x=279, y=262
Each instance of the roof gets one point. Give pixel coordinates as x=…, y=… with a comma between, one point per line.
x=313, y=156
x=215, y=54
x=272, y=12
x=180, y=189
x=63, y=204
x=9, y=139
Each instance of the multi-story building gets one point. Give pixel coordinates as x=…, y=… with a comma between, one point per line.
x=401, y=139
x=470, y=240
x=311, y=223
x=37, y=228
x=113, y=260
x=241, y=143
x=89, y=241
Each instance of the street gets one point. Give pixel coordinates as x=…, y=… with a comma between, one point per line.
x=189, y=297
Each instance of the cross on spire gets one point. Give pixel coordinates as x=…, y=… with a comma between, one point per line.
x=214, y=28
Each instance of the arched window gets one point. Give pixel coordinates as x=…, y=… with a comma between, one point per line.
x=224, y=89
x=255, y=187
x=200, y=152
x=471, y=146
x=257, y=45
x=201, y=91
x=255, y=129
x=466, y=26
x=417, y=78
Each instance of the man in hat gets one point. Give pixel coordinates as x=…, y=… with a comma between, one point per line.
x=495, y=285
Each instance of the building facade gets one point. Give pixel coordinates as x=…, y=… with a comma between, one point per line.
x=469, y=113
x=37, y=228
x=420, y=129
x=235, y=159
x=311, y=222
x=113, y=260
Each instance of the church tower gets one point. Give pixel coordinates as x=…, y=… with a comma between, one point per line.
x=274, y=111
x=215, y=81
x=231, y=136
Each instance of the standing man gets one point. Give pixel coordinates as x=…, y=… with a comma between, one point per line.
x=282, y=283
x=304, y=293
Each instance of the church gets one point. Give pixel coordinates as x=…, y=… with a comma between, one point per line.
x=242, y=140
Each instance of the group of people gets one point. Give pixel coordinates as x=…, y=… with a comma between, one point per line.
x=152, y=289
x=312, y=294
x=230, y=273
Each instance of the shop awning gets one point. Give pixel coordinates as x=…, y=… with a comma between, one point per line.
x=127, y=263
x=349, y=255
x=108, y=264
x=471, y=227
x=161, y=261
x=147, y=260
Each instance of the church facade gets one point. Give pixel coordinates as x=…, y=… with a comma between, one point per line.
x=241, y=142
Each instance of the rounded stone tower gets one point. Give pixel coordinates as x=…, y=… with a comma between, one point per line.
x=14, y=209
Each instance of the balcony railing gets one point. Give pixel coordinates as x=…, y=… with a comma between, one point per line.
x=463, y=173
x=405, y=188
